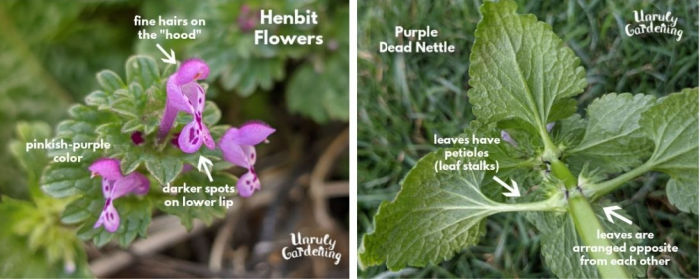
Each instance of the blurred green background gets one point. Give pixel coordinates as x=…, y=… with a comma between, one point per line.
x=405, y=98
x=50, y=52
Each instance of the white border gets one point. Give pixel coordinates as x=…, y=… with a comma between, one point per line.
x=353, y=139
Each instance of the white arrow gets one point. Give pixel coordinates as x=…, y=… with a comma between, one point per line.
x=205, y=163
x=610, y=212
x=171, y=56
x=514, y=191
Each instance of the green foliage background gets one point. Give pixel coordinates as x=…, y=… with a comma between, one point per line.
x=51, y=51
x=404, y=99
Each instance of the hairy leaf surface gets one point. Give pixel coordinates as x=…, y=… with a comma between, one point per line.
x=672, y=123
x=521, y=69
x=613, y=137
x=434, y=216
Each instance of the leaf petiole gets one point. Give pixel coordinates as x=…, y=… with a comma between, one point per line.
x=551, y=151
x=555, y=202
x=595, y=191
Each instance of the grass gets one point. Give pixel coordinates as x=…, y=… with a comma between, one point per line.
x=403, y=99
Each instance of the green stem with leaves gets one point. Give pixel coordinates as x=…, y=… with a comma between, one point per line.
x=585, y=220
x=586, y=223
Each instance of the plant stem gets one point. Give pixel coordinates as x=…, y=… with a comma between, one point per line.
x=561, y=171
x=587, y=227
x=595, y=191
x=551, y=151
x=586, y=222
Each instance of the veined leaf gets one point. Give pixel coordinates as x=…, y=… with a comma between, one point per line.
x=569, y=131
x=521, y=69
x=613, y=137
x=434, y=216
x=672, y=123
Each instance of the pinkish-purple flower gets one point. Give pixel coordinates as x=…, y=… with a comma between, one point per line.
x=238, y=147
x=114, y=186
x=185, y=94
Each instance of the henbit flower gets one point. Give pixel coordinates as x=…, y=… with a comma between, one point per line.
x=185, y=94
x=238, y=147
x=114, y=186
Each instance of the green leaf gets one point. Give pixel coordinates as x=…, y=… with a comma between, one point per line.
x=81, y=209
x=163, y=167
x=31, y=237
x=143, y=70
x=557, y=248
x=521, y=69
x=132, y=126
x=328, y=100
x=135, y=215
x=672, y=123
x=613, y=139
x=109, y=81
x=64, y=179
x=569, y=131
x=205, y=213
x=434, y=216
x=131, y=161
x=32, y=161
x=97, y=98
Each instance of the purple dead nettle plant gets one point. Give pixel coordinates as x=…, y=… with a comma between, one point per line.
x=238, y=147
x=185, y=94
x=114, y=186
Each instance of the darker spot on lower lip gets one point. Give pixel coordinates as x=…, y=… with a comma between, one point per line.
x=137, y=138
x=174, y=140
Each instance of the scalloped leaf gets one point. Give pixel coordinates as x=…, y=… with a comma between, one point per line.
x=672, y=123
x=613, y=137
x=434, y=216
x=521, y=69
